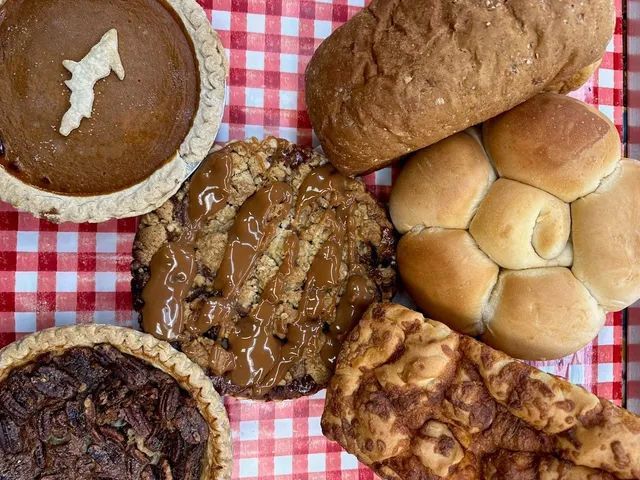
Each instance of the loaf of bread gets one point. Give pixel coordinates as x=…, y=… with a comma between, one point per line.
x=414, y=400
x=404, y=74
x=530, y=261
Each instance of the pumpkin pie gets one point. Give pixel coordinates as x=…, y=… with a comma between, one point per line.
x=95, y=401
x=107, y=105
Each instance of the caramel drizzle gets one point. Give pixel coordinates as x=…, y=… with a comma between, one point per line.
x=254, y=343
x=253, y=230
x=304, y=332
x=262, y=361
x=173, y=266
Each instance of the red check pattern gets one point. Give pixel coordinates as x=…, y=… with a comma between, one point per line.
x=63, y=274
x=633, y=142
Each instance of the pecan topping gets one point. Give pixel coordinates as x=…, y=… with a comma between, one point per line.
x=97, y=413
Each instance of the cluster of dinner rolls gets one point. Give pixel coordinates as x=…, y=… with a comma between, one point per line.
x=526, y=234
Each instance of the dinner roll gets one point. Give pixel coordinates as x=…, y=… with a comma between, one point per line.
x=520, y=226
x=441, y=186
x=447, y=275
x=532, y=261
x=542, y=313
x=556, y=143
x=606, y=237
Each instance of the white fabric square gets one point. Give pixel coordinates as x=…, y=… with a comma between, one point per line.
x=249, y=430
x=607, y=110
x=254, y=60
x=255, y=23
x=105, y=281
x=248, y=467
x=605, y=337
x=26, y=282
x=317, y=462
x=283, y=465
x=348, y=461
x=321, y=28
x=65, y=318
x=288, y=133
x=67, y=282
x=106, y=242
x=315, y=430
x=288, y=100
x=288, y=63
x=254, y=97
x=605, y=372
x=27, y=241
x=105, y=317
x=576, y=374
x=67, y=242
x=25, y=322
x=221, y=20
x=606, y=78
x=283, y=428
x=289, y=26
x=383, y=177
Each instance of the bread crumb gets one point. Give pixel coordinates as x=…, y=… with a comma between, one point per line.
x=440, y=101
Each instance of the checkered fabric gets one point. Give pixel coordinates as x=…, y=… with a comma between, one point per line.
x=64, y=274
x=633, y=138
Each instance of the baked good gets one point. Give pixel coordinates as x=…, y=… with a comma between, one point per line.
x=107, y=106
x=554, y=159
x=521, y=226
x=458, y=200
x=402, y=75
x=532, y=260
x=606, y=240
x=558, y=316
x=460, y=277
x=95, y=401
x=260, y=265
x=412, y=399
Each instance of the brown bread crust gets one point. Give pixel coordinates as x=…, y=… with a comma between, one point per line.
x=404, y=74
x=414, y=400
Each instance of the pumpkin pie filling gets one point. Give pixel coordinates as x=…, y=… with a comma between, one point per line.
x=137, y=124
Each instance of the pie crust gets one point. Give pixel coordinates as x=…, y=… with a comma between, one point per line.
x=218, y=456
x=164, y=182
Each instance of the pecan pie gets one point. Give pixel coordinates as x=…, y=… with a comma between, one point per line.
x=107, y=105
x=260, y=265
x=110, y=403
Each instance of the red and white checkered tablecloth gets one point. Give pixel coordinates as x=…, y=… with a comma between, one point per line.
x=64, y=274
x=633, y=143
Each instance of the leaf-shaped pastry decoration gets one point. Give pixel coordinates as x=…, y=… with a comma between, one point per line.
x=96, y=65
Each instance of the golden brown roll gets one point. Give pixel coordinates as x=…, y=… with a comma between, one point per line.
x=555, y=143
x=448, y=275
x=520, y=226
x=606, y=236
x=540, y=314
x=440, y=196
x=414, y=400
